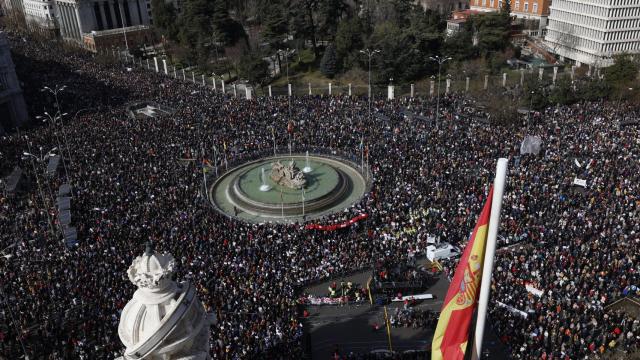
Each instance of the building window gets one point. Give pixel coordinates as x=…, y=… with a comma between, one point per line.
x=526, y=7
x=535, y=7
x=484, y=2
x=518, y=5
x=492, y=3
x=500, y=4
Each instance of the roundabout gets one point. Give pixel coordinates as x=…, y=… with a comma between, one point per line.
x=287, y=188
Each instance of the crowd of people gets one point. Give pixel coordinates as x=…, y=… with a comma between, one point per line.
x=133, y=181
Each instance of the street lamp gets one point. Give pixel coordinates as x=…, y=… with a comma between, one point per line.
x=440, y=60
x=41, y=159
x=370, y=53
x=52, y=121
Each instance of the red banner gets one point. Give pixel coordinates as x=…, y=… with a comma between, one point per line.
x=334, y=227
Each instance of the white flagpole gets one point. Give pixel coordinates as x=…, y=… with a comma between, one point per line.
x=492, y=234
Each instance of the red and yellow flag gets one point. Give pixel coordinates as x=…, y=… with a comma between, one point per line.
x=452, y=332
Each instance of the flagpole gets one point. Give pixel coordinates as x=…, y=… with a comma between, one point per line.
x=388, y=326
x=492, y=234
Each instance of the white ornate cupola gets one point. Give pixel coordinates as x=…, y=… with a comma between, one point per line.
x=164, y=320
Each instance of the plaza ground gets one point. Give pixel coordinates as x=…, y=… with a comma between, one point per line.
x=350, y=327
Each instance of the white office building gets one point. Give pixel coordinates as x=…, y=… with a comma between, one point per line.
x=592, y=31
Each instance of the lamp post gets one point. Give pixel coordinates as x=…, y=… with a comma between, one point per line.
x=440, y=60
x=370, y=53
x=52, y=121
x=41, y=159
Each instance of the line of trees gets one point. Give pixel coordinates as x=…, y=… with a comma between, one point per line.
x=327, y=35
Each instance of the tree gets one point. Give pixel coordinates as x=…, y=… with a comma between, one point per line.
x=348, y=41
x=623, y=71
x=329, y=13
x=195, y=28
x=227, y=30
x=275, y=29
x=493, y=31
x=254, y=69
x=164, y=16
x=328, y=64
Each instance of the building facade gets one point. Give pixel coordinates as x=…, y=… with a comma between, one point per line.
x=444, y=6
x=13, y=110
x=525, y=9
x=79, y=17
x=592, y=31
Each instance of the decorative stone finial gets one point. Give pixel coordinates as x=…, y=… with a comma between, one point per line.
x=147, y=271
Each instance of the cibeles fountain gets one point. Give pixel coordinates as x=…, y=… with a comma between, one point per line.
x=275, y=189
x=164, y=320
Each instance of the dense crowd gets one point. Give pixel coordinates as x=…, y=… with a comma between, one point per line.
x=579, y=246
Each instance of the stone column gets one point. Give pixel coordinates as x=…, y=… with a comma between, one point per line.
x=269, y=90
x=79, y=20
x=466, y=87
x=289, y=89
x=184, y=75
x=504, y=79
x=155, y=63
x=521, y=77
x=164, y=65
x=193, y=77
x=432, y=87
x=112, y=11
x=446, y=91
x=412, y=90
x=309, y=89
x=105, y=25
x=175, y=76
x=235, y=90
x=148, y=65
x=248, y=93
x=133, y=13
x=589, y=71
x=540, y=73
x=390, y=92
x=573, y=72
x=555, y=74
x=222, y=81
x=329, y=88
x=213, y=81
x=349, y=89
x=63, y=21
x=74, y=21
x=486, y=82
x=203, y=83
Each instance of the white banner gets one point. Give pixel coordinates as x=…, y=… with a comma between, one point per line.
x=413, y=297
x=513, y=310
x=534, y=291
x=580, y=182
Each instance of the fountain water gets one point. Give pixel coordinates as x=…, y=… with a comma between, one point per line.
x=264, y=187
x=307, y=169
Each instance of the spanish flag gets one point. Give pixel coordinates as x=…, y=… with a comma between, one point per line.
x=451, y=336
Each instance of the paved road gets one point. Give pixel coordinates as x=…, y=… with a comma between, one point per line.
x=350, y=327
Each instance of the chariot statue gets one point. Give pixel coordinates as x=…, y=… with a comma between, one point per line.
x=289, y=176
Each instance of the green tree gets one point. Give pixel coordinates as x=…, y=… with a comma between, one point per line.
x=623, y=71
x=348, y=41
x=275, y=29
x=253, y=68
x=493, y=31
x=562, y=92
x=164, y=16
x=328, y=64
x=329, y=12
x=195, y=28
x=227, y=30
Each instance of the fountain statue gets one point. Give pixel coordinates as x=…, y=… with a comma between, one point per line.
x=264, y=187
x=288, y=176
x=307, y=169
